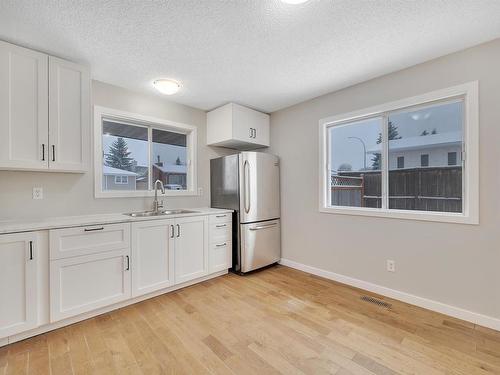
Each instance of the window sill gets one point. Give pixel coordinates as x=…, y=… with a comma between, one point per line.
x=443, y=217
x=145, y=194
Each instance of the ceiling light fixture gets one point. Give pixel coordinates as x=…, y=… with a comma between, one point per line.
x=166, y=86
x=294, y=2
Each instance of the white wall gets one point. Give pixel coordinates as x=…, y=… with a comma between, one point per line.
x=451, y=263
x=73, y=194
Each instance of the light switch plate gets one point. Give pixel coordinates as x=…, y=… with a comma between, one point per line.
x=37, y=193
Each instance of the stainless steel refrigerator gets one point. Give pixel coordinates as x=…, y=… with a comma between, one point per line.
x=248, y=183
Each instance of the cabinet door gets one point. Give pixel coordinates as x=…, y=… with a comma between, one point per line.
x=23, y=108
x=85, y=283
x=261, y=129
x=250, y=126
x=152, y=256
x=243, y=123
x=18, y=287
x=69, y=114
x=191, y=248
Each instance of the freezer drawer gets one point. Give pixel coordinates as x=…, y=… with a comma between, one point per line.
x=260, y=244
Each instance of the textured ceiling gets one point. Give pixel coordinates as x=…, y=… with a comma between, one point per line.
x=260, y=53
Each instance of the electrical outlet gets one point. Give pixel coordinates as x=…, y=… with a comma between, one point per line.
x=37, y=193
x=391, y=265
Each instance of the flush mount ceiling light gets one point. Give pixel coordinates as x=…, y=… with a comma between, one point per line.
x=166, y=86
x=294, y=2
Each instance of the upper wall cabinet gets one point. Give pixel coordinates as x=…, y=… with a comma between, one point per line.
x=44, y=112
x=237, y=127
x=69, y=110
x=23, y=108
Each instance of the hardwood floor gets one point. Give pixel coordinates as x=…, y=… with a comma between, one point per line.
x=276, y=321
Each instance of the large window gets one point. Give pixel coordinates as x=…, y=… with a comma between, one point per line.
x=405, y=159
x=133, y=151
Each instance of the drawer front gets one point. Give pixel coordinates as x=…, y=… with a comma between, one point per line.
x=260, y=244
x=89, y=282
x=220, y=232
x=221, y=218
x=220, y=257
x=70, y=242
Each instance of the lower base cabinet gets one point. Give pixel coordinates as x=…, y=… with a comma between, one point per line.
x=152, y=256
x=94, y=267
x=191, y=248
x=85, y=283
x=18, y=283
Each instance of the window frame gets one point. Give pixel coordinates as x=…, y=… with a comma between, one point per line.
x=454, y=153
x=121, y=180
x=422, y=156
x=469, y=93
x=150, y=123
x=400, y=161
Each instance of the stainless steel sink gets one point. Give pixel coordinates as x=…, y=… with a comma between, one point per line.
x=159, y=213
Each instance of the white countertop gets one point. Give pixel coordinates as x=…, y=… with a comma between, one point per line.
x=28, y=225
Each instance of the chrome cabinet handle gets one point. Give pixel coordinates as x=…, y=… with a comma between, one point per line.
x=263, y=226
x=254, y=133
x=246, y=174
x=53, y=153
x=172, y=230
x=221, y=226
x=31, y=250
x=128, y=263
x=221, y=245
x=251, y=133
x=93, y=229
x=43, y=151
x=178, y=230
x=219, y=216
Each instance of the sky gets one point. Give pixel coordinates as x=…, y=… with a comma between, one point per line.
x=443, y=117
x=139, y=150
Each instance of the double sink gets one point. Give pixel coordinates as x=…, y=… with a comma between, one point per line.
x=159, y=213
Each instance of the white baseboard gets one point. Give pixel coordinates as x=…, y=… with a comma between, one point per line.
x=456, y=312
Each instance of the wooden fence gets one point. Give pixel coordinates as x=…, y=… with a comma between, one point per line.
x=423, y=189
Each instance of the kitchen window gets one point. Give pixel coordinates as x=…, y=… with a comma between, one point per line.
x=371, y=160
x=132, y=151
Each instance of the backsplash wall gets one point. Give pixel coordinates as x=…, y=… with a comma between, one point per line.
x=68, y=194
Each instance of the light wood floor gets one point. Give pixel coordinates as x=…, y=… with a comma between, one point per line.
x=276, y=321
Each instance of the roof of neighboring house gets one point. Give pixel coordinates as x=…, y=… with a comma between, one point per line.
x=110, y=171
x=422, y=141
x=172, y=168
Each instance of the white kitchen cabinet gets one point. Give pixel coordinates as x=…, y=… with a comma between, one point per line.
x=238, y=127
x=23, y=108
x=220, y=250
x=44, y=112
x=152, y=256
x=69, y=113
x=18, y=283
x=191, y=248
x=85, y=283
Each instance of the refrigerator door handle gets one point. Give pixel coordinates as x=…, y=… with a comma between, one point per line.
x=246, y=174
x=263, y=226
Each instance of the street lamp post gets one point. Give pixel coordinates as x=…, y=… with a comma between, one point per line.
x=364, y=150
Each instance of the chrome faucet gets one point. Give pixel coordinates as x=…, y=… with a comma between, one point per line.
x=158, y=204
